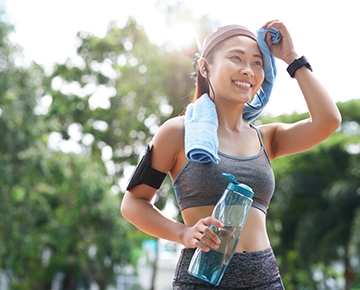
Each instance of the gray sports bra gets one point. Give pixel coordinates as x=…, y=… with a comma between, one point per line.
x=199, y=184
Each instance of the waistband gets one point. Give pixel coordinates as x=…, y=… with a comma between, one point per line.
x=248, y=270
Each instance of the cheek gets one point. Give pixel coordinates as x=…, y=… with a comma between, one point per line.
x=260, y=75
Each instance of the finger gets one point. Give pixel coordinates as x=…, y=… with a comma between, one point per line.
x=213, y=238
x=202, y=246
x=206, y=243
x=207, y=221
x=215, y=222
x=268, y=24
x=207, y=236
x=268, y=39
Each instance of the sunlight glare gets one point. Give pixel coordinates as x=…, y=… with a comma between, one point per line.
x=185, y=38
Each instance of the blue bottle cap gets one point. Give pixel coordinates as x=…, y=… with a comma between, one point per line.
x=234, y=185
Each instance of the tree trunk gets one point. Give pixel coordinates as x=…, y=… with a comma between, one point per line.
x=349, y=272
x=101, y=284
x=154, y=272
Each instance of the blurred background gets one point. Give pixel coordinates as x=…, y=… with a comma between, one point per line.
x=84, y=85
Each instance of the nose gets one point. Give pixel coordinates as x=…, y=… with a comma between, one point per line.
x=246, y=70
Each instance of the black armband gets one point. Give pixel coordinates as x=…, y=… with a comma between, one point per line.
x=144, y=173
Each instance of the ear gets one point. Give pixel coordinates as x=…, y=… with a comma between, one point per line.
x=203, y=67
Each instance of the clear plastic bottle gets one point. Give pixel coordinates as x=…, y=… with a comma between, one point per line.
x=232, y=210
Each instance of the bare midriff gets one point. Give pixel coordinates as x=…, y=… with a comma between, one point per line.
x=253, y=237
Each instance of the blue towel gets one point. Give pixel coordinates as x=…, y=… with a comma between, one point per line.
x=201, y=122
x=262, y=98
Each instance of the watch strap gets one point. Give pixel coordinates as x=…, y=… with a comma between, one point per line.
x=296, y=64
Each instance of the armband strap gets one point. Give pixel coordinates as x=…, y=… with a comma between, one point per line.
x=144, y=173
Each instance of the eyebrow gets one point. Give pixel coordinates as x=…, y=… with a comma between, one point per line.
x=243, y=52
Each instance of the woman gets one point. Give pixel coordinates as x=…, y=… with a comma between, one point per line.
x=230, y=73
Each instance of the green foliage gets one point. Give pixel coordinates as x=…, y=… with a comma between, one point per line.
x=316, y=207
x=120, y=90
x=57, y=213
x=83, y=215
x=350, y=110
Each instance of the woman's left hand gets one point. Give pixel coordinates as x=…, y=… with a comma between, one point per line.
x=284, y=49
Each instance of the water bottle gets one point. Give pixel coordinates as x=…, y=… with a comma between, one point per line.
x=232, y=210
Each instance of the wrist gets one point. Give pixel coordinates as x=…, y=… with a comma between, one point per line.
x=291, y=57
x=297, y=64
x=182, y=237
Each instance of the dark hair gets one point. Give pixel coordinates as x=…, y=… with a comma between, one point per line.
x=202, y=85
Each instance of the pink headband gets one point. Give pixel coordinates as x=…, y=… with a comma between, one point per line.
x=223, y=33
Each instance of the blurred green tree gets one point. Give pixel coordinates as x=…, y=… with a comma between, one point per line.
x=57, y=213
x=116, y=93
x=314, y=215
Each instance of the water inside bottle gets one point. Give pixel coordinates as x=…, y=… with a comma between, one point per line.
x=229, y=236
x=213, y=263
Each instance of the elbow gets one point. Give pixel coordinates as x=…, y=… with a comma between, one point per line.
x=333, y=122
x=130, y=207
x=336, y=121
x=327, y=124
x=124, y=208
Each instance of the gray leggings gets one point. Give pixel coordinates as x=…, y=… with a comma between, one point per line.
x=250, y=270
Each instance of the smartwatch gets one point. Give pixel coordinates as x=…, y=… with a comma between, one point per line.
x=298, y=63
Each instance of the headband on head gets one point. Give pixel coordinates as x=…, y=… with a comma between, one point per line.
x=223, y=33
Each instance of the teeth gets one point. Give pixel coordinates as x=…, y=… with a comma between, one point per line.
x=242, y=84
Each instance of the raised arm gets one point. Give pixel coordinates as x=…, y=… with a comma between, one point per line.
x=324, y=118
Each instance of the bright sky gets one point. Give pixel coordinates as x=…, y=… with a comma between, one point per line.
x=325, y=31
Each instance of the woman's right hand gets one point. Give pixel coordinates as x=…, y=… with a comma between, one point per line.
x=201, y=236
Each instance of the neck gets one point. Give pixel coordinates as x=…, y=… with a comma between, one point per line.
x=230, y=117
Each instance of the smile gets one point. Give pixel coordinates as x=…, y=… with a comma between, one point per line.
x=243, y=84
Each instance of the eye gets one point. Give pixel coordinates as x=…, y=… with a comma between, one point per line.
x=258, y=62
x=236, y=57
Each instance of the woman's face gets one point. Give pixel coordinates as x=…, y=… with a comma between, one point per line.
x=236, y=70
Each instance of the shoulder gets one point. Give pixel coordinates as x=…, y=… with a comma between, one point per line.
x=168, y=143
x=172, y=128
x=176, y=122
